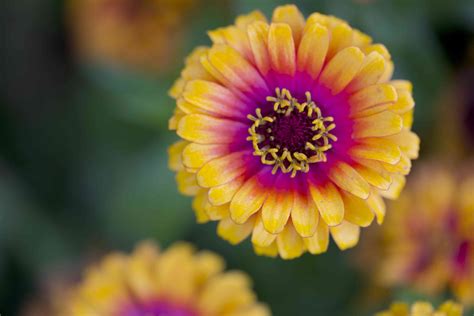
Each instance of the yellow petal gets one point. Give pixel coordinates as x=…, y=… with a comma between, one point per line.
x=403, y=166
x=304, y=215
x=187, y=183
x=312, y=50
x=289, y=14
x=234, y=233
x=374, y=174
x=372, y=99
x=377, y=205
x=281, y=48
x=211, y=174
x=402, y=85
x=204, y=129
x=360, y=39
x=319, y=242
x=252, y=310
x=377, y=125
x=217, y=212
x=404, y=103
x=345, y=177
x=346, y=235
x=357, y=211
x=234, y=37
x=236, y=70
x=208, y=265
x=341, y=69
x=276, y=210
x=224, y=193
x=379, y=149
x=196, y=155
x=248, y=200
x=408, y=142
x=329, y=202
x=290, y=244
x=396, y=188
x=370, y=72
x=174, y=120
x=387, y=75
x=175, y=162
x=258, y=37
x=243, y=21
x=213, y=98
x=260, y=236
x=379, y=48
x=270, y=251
x=199, y=207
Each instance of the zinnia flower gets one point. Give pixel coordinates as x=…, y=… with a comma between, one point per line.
x=176, y=282
x=141, y=34
x=292, y=130
x=448, y=308
x=428, y=240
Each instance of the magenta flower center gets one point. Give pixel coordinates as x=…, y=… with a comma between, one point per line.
x=292, y=135
x=159, y=308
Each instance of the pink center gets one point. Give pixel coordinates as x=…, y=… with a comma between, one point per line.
x=158, y=308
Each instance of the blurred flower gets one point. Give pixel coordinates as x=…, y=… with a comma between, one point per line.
x=292, y=130
x=142, y=34
x=175, y=282
x=428, y=239
x=423, y=309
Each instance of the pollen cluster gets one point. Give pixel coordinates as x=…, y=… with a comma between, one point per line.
x=292, y=135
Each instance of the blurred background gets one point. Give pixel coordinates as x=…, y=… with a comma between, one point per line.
x=84, y=137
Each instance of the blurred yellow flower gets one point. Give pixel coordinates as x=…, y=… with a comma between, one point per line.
x=292, y=131
x=141, y=34
x=423, y=309
x=428, y=239
x=175, y=282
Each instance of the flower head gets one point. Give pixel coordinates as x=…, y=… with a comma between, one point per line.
x=428, y=240
x=176, y=282
x=292, y=130
x=448, y=308
x=142, y=34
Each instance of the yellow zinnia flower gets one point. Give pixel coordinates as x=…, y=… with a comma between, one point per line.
x=423, y=309
x=142, y=34
x=175, y=282
x=428, y=240
x=292, y=130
